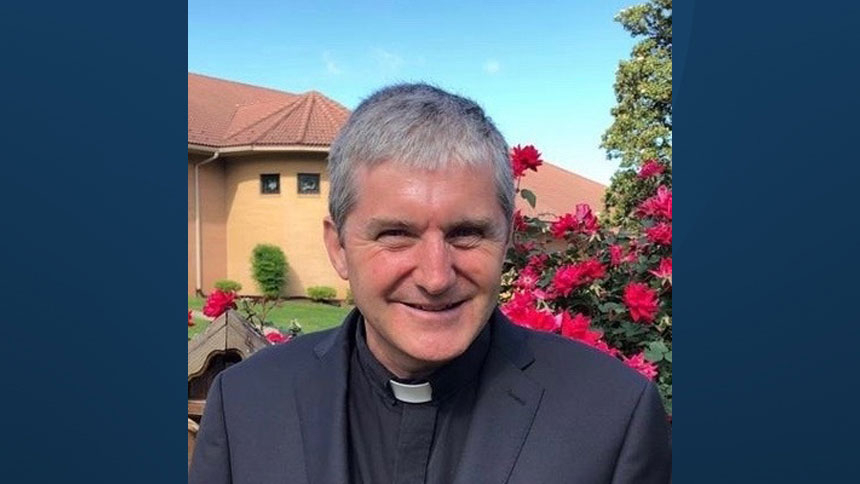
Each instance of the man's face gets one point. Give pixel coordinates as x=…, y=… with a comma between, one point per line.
x=423, y=253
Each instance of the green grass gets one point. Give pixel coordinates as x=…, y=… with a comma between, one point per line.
x=311, y=316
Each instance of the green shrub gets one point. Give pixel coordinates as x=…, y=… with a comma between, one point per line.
x=228, y=285
x=269, y=268
x=322, y=293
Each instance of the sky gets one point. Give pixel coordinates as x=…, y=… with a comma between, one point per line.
x=543, y=72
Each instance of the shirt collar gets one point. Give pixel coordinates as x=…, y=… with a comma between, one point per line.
x=444, y=382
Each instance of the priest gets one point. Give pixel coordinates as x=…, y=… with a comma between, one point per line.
x=426, y=381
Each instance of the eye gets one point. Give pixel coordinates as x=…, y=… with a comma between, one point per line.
x=391, y=233
x=466, y=236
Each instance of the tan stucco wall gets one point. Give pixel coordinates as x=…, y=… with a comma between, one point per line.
x=289, y=220
x=213, y=223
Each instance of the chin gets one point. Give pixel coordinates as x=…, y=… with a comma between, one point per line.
x=440, y=347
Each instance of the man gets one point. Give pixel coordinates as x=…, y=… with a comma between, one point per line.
x=426, y=381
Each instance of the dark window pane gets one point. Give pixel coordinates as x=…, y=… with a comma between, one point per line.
x=270, y=183
x=309, y=183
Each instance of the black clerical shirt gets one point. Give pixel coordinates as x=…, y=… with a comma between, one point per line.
x=410, y=443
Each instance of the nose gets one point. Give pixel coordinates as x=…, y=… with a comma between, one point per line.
x=435, y=269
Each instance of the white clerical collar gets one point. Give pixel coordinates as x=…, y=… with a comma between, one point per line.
x=418, y=393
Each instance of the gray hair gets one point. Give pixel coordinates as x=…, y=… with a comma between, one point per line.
x=419, y=126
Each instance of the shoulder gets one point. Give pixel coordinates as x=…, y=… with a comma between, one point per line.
x=568, y=367
x=281, y=362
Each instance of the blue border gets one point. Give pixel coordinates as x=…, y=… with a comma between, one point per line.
x=94, y=262
x=766, y=104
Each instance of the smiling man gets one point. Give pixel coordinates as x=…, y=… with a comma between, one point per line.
x=426, y=381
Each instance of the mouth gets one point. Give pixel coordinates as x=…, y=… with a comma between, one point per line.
x=435, y=308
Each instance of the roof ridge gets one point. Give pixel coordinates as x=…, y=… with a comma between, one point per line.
x=288, y=110
x=311, y=100
x=275, y=113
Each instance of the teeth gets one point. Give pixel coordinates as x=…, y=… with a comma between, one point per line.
x=433, y=308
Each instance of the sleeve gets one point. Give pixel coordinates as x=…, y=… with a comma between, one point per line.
x=646, y=453
x=210, y=463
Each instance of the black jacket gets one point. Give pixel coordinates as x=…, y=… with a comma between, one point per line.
x=548, y=410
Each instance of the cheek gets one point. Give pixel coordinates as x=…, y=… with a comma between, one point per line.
x=378, y=271
x=482, y=266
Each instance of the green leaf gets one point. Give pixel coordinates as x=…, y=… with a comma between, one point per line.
x=653, y=356
x=529, y=196
x=658, y=346
x=668, y=356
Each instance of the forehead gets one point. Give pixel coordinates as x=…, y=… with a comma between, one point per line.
x=395, y=190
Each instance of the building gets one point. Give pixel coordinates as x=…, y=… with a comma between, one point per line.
x=256, y=174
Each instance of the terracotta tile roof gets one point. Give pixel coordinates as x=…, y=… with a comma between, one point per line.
x=224, y=113
x=558, y=191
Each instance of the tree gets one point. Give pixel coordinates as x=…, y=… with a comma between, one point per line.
x=642, y=129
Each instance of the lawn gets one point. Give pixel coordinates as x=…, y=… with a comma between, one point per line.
x=311, y=316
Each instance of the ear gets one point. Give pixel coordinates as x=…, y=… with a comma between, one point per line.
x=336, y=252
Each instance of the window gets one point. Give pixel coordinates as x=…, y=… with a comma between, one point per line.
x=309, y=183
x=270, y=183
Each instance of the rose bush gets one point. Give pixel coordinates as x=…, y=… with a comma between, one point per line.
x=607, y=286
x=254, y=311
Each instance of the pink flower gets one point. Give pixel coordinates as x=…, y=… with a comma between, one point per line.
x=519, y=222
x=528, y=279
x=615, y=253
x=577, y=328
x=638, y=363
x=537, y=261
x=650, y=168
x=277, y=338
x=525, y=158
x=190, y=319
x=583, y=221
x=586, y=220
x=664, y=271
x=569, y=277
x=660, y=233
x=561, y=226
x=658, y=206
x=641, y=301
x=521, y=310
x=218, y=302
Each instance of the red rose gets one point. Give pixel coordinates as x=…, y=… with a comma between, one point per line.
x=658, y=206
x=660, y=233
x=537, y=261
x=528, y=279
x=562, y=225
x=190, y=319
x=615, y=253
x=519, y=222
x=641, y=300
x=586, y=221
x=525, y=158
x=522, y=311
x=650, y=168
x=276, y=337
x=664, y=271
x=583, y=221
x=218, y=302
x=569, y=277
x=638, y=363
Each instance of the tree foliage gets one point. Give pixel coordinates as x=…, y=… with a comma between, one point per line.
x=642, y=128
